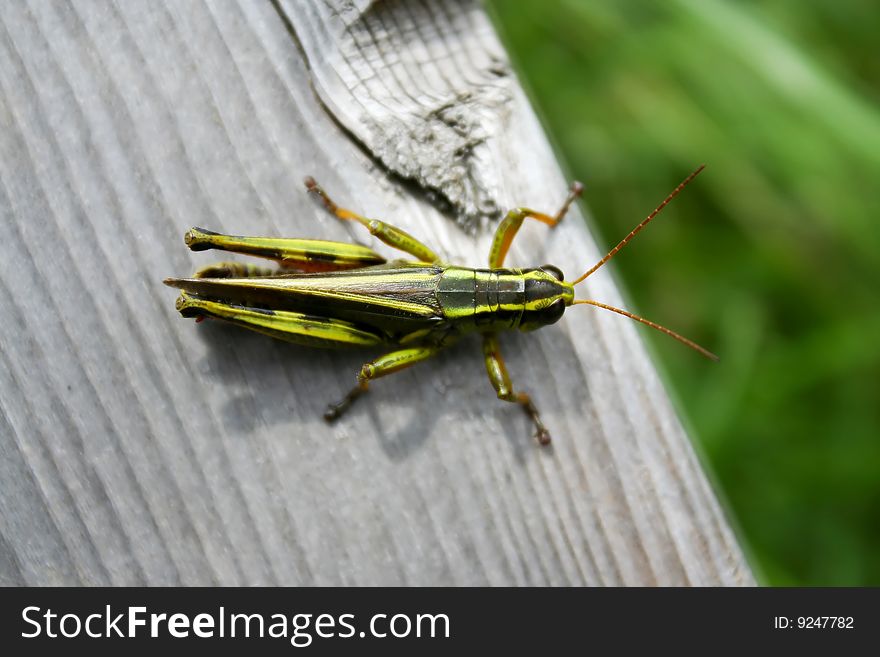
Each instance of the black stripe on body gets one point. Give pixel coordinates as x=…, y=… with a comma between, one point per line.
x=482, y=299
x=397, y=299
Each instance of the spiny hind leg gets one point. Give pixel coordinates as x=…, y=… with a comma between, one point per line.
x=390, y=235
x=497, y=371
x=512, y=222
x=307, y=255
x=287, y=325
x=235, y=270
x=382, y=366
x=229, y=270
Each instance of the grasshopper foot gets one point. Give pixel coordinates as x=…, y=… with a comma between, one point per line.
x=543, y=437
x=541, y=433
x=335, y=411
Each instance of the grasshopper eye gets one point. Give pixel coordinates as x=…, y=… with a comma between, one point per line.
x=554, y=271
x=535, y=319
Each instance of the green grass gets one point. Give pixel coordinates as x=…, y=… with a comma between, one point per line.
x=771, y=258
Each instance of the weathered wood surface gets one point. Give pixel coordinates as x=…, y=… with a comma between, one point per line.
x=136, y=447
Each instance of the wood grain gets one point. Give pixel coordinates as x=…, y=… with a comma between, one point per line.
x=138, y=448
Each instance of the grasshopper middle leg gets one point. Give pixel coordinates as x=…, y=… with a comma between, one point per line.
x=392, y=236
x=382, y=366
x=497, y=371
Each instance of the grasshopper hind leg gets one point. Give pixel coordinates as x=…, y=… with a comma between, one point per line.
x=236, y=270
x=382, y=366
x=299, y=328
x=305, y=255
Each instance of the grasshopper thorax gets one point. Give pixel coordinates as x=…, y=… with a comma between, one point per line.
x=546, y=297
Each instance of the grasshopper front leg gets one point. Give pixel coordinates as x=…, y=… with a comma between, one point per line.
x=497, y=371
x=382, y=366
x=512, y=222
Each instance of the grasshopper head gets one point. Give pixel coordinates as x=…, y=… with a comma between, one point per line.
x=547, y=296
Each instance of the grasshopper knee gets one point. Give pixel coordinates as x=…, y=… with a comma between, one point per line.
x=382, y=366
x=368, y=372
x=506, y=394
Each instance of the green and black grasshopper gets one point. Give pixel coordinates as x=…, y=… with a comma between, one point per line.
x=333, y=294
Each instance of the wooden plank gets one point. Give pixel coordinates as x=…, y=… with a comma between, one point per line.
x=137, y=448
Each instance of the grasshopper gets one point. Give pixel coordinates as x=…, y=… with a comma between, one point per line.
x=333, y=294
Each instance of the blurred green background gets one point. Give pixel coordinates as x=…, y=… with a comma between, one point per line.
x=771, y=258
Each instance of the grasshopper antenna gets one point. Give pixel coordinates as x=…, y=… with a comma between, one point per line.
x=647, y=322
x=637, y=229
x=588, y=302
